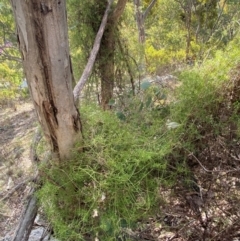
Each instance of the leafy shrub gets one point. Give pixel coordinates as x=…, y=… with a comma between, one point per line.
x=9, y=82
x=114, y=182
x=163, y=56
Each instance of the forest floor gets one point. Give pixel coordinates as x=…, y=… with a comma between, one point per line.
x=208, y=209
x=17, y=126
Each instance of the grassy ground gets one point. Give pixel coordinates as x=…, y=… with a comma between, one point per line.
x=206, y=209
x=152, y=169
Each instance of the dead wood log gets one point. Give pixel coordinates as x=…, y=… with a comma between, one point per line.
x=30, y=212
x=27, y=219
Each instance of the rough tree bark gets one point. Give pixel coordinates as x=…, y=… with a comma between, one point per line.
x=43, y=42
x=106, y=55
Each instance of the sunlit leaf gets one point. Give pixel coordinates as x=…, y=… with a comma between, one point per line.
x=172, y=125
x=145, y=85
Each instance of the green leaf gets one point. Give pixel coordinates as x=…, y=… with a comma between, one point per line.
x=123, y=223
x=145, y=85
x=107, y=226
x=111, y=102
x=149, y=101
x=121, y=116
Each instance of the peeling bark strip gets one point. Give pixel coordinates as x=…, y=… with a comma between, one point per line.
x=44, y=57
x=43, y=41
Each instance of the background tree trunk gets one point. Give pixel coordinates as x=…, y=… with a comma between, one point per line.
x=43, y=42
x=141, y=17
x=140, y=22
x=106, y=55
x=106, y=66
x=97, y=43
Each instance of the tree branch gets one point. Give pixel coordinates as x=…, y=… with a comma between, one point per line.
x=88, y=69
x=118, y=10
x=148, y=9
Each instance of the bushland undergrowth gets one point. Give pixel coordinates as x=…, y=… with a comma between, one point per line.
x=114, y=183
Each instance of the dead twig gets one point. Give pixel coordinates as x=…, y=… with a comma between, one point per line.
x=16, y=188
x=204, y=168
x=214, y=171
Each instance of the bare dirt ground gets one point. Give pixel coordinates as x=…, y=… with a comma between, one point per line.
x=17, y=126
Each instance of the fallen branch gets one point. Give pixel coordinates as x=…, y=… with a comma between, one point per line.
x=27, y=219
x=30, y=212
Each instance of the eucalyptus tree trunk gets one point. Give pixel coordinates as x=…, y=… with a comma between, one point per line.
x=141, y=17
x=106, y=55
x=43, y=42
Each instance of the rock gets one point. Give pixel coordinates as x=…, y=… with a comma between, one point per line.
x=6, y=238
x=37, y=233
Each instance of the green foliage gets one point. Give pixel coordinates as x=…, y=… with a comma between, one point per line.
x=84, y=18
x=201, y=100
x=211, y=27
x=116, y=178
x=10, y=79
x=10, y=70
x=162, y=57
x=130, y=154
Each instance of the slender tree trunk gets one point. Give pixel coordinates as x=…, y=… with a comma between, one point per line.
x=88, y=69
x=43, y=42
x=140, y=22
x=188, y=15
x=106, y=55
x=106, y=67
x=124, y=53
x=140, y=18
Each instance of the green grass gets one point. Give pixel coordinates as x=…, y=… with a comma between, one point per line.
x=126, y=160
x=118, y=163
